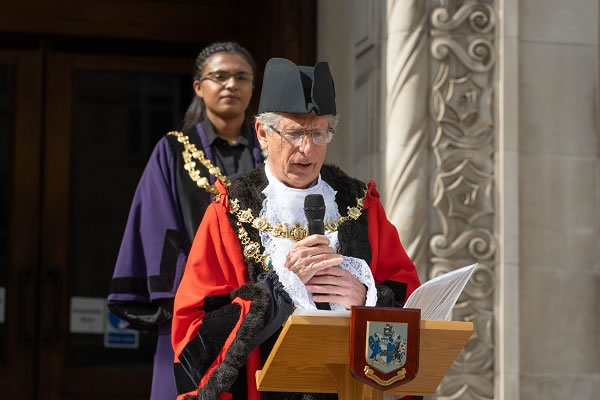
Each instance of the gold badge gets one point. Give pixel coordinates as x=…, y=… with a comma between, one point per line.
x=297, y=232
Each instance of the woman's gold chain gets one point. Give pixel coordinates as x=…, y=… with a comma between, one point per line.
x=189, y=153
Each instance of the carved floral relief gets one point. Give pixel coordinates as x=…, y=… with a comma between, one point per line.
x=462, y=101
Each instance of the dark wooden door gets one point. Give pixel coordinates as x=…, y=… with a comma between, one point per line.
x=104, y=114
x=20, y=144
x=75, y=134
x=79, y=117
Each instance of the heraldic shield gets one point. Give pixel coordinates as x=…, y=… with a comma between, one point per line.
x=384, y=345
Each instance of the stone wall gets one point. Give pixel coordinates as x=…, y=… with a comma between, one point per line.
x=543, y=307
x=559, y=186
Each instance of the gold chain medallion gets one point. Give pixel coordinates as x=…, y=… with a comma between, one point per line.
x=295, y=232
x=189, y=153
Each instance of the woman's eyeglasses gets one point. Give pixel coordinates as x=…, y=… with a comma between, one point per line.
x=223, y=77
x=296, y=136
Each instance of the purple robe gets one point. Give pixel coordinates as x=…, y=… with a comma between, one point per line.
x=166, y=210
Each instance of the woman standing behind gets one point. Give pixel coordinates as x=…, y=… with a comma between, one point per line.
x=173, y=193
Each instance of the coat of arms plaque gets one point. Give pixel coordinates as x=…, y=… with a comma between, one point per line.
x=384, y=345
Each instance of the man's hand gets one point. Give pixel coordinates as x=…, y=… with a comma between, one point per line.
x=311, y=255
x=336, y=285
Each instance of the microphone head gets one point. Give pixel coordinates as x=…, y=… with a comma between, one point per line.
x=314, y=207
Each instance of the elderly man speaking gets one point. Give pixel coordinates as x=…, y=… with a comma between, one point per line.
x=253, y=259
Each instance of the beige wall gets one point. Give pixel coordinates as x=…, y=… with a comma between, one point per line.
x=349, y=37
x=547, y=306
x=333, y=47
x=559, y=201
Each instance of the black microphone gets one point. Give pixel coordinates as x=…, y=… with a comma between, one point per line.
x=314, y=210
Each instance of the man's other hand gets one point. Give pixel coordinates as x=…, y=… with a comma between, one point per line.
x=336, y=285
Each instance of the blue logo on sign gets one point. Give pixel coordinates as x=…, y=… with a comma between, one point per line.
x=116, y=322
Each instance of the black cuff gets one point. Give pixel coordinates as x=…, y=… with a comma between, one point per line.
x=199, y=354
x=280, y=308
x=143, y=316
x=391, y=294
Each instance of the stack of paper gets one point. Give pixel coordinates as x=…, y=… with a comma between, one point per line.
x=437, y=297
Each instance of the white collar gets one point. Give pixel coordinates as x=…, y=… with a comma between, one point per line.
x=284, y=204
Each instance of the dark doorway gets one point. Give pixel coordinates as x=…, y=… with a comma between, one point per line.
x=86, y=90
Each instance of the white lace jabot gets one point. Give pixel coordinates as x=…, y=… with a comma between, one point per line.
x=286, y=204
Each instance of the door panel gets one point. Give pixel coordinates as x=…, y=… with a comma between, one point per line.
x=76, y=130
x=104, y=116
x=20, y=143
x=7, y=79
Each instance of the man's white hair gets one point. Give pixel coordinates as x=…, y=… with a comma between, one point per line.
x=268, y=119
x=273, y=118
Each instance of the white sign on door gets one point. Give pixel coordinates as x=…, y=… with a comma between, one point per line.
x=87, y=315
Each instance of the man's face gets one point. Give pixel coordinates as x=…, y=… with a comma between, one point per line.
x=297, y=166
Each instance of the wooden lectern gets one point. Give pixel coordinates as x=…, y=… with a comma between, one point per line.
x=311, y=355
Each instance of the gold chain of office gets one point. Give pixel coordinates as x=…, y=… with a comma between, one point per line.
x=294, y=232
x=189, y=153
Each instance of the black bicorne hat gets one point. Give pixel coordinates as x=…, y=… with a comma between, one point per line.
x=297, y=89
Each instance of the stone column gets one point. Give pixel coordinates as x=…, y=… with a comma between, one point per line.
x=406, y=143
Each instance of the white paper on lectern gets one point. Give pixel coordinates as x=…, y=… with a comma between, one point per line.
x=437, y=297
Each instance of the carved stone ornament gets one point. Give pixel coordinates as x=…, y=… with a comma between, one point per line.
x=462, y=97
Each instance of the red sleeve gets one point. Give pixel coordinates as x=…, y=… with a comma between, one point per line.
x=214, y=269
x=389, y=261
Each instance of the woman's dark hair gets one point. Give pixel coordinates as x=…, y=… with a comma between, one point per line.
x=195, y=111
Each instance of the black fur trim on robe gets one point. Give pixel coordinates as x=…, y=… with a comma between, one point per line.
x=225, y=375
x=248, y=190
x=200, y=352
x=391, y=294
x=353, y=237
x=348, y=188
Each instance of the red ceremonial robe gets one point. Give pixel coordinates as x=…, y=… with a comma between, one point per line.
x=211, y=321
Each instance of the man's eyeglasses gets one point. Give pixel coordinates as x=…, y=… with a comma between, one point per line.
x=223, y=77
x=296, y=136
